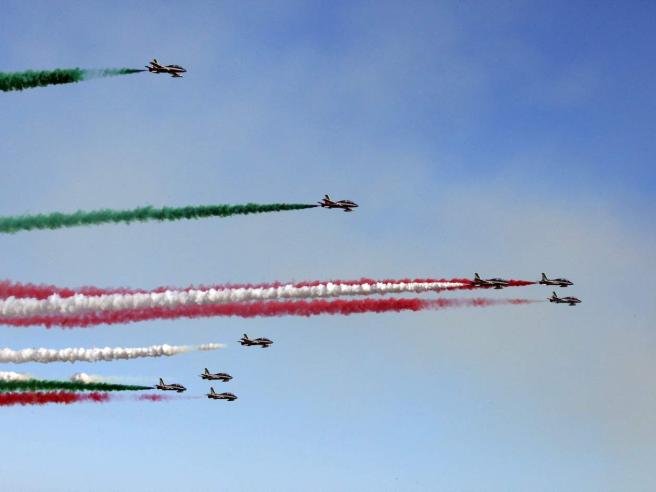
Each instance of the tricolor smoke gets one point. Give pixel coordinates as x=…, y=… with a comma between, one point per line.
x=50, y=385
x=45, y=355
x=70, y=302
x=81, y=303
x=43, y=291
x=43, y=398
x=17, y=81
x=57, y=220
x=252, y=310
x=366, y=286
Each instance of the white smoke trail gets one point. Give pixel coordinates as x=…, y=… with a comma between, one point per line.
x=81, y=303
x=83, y=377
x=14, y=376
x=45, y=355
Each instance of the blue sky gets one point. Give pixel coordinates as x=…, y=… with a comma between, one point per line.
x=507, y=138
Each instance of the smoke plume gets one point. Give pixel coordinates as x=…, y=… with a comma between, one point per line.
x=255, y=309
x=14, y=376
x=50, y=385
x=43, y=398
x=57, y=220
x=81, y=303
x=45, y=355
x=18, y=81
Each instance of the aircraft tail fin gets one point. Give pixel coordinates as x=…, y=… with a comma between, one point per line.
x=206, y=371
x=544, y=277
x=155, y=61
x=477, y=276
x=327, y=197
x=161, y=381
x=212, y=390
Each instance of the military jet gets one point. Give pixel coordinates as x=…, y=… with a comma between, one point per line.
x=213, y=395
x=170, y=387
x=173, y=70
x=346, y=205
x=562, y=282
x=497, y=283
x=219, y=376
x=572, y=301
x=262, y=342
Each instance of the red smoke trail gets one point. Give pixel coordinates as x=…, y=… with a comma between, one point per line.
x=254, y=309
x=45, y=397
x=153, y=397
x=520, y=283
x=157, y=397
x=16, y=289
x=68, y=397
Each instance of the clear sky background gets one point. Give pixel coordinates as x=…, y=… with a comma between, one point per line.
x=507, y=138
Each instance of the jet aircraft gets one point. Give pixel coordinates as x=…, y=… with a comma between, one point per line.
x=173, y=70
x=219, y=376
x=262, y=342
x=497, y=283
x=170, y=387
x=346, y=205
x=562, y=282
x=572, y=301
x=213, y=395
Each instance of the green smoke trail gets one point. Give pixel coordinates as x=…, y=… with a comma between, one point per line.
x=17, y=81
x=56, y=220
x=49, y=385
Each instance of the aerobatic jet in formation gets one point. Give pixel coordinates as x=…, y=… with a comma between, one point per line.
x=262, y=342
x=170, y=387
x=497, y=283
x=562, y=282
x=213, y=395
x=218, y=376
x=346, y=205
x=173, y=70
x=572, y=301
